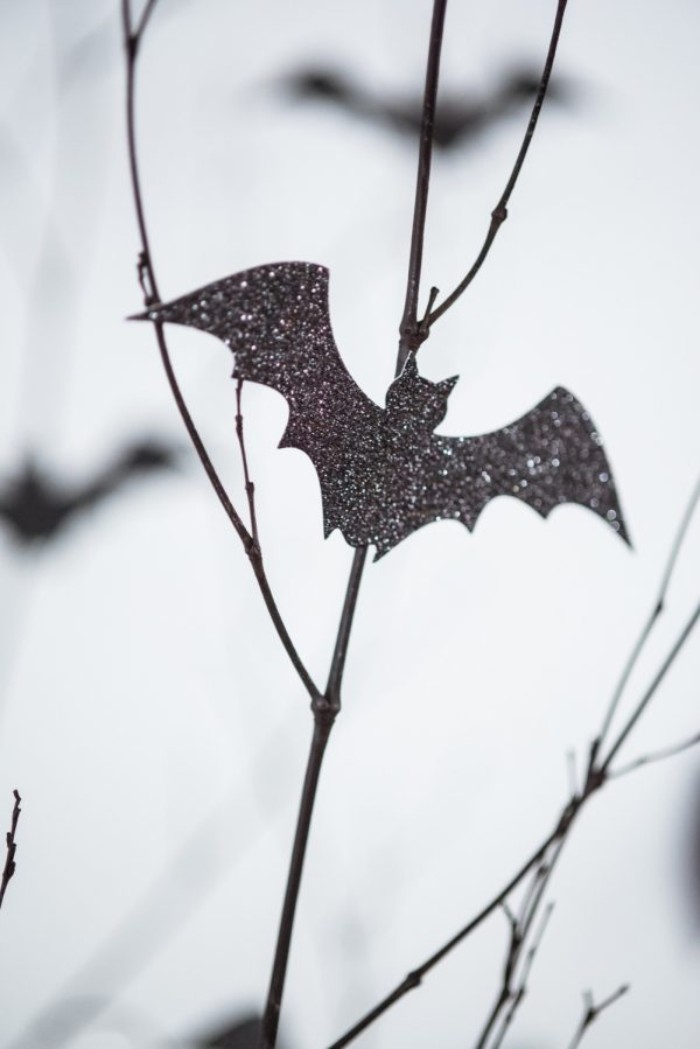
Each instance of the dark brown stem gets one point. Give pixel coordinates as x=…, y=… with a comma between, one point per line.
x=520, y=991
x=500, y=212
x=506, y=989
x=329, y=704
x=412, y=334
x=325, y=709
x=508, y=997
x=340, y=651
x=323, y=723
x=249, y=486
x=143, y=21
x=147, y=278
x=11, y=843
x=591, y=1013
x=651, y=691
x=657, y=610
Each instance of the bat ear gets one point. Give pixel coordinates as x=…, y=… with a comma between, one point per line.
x=448, y=385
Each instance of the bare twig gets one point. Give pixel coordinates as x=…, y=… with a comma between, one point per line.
x=500, y=212
x=249, y=486
x=651, y=691
x=591, y=1012
x=146, y=14
x=659, y=606
x=412, y=333
x=505, y=991
x=510, y=995
x=147, y=279
x=521, y=990
x=657, y=755
x=11, y=843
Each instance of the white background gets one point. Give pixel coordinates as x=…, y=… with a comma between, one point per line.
x=143, y=689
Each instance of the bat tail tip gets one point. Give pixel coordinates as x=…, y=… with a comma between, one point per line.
x=625, y=536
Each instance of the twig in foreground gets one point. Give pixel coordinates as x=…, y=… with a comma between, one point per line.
x=591, y=1012
x=10, y=865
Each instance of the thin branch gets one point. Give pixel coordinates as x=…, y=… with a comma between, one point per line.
x=149, y=284
x=505, y=991
x=413, y=334
x=416, y=976
x=591, y=1012
x=507, y=999
x=326, y=708
x=659, y=606
x=340, y=651
x=658, y=755
x=521, y=990
x=11, y=843
x=270, y=1023
x=143, y=22
x=500, y=212
x=249, y=486
x=651, y=691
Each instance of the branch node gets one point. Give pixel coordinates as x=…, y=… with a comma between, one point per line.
x=413, y=980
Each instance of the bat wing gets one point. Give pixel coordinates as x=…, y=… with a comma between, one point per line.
x=552, y=455
x=275, y=320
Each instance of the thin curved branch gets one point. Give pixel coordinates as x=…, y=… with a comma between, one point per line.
x=651, y=691
x=500, y=212
x=659, y=606
x=658, y=755
x=149, y=284
x=249, y=486
x=342, y=640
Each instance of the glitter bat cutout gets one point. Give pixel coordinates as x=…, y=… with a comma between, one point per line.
x=383, y=471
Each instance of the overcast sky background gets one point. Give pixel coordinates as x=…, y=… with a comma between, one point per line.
x=144, y=697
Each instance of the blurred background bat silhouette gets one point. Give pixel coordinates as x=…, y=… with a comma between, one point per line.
x=459, y=118
x=36, y=507
x=383, y=471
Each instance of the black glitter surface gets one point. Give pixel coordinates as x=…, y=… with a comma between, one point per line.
x=383, y=471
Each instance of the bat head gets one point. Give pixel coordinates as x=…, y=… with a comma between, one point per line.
x=415, y=401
